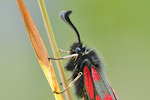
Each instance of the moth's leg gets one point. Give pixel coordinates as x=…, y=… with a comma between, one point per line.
x=64, y=51
x=71, y=84
x=64, y=58
x=68, y=78
x=71, y=74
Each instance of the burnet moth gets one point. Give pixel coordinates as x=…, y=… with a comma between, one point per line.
x=87, y=70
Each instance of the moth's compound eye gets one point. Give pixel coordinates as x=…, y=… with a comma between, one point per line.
x=77, y=50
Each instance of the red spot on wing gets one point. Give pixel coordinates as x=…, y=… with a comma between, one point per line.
x=97, y=97
x=108, y=97
x=95, y=75
x=88, y=82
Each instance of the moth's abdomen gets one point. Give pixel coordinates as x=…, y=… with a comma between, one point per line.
x=79, y=85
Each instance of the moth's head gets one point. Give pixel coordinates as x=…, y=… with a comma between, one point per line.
x=76, y=48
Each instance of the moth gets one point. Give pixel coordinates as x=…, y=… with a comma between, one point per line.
x=87, y=70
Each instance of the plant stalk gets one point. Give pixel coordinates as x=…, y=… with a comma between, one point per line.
x=54, y=47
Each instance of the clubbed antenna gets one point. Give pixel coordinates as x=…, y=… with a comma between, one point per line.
x=64, y=15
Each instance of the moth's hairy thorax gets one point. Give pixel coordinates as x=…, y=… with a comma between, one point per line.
x=85, y=53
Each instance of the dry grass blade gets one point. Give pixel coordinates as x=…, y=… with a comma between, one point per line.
x=39, y=48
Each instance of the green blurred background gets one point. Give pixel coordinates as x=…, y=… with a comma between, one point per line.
x=117, y=29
